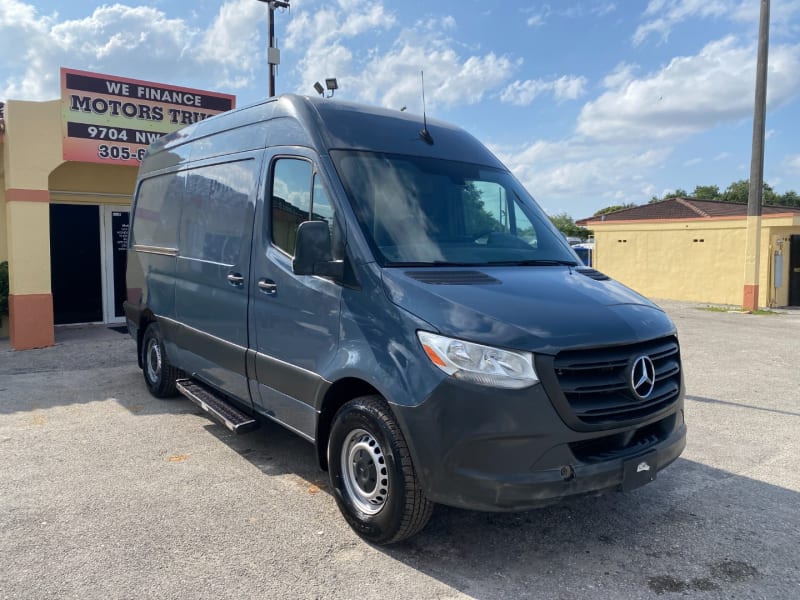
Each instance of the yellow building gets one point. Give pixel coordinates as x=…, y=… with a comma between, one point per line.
x=67, y=174
x=694, y=250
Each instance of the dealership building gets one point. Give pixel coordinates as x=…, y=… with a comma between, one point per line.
x=67, y=175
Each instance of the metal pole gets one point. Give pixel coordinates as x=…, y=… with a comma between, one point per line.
x=271, y=45
x=755, y=192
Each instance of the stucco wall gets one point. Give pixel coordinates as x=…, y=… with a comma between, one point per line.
x=3, y=227
x=697, y=260
x=33, y=143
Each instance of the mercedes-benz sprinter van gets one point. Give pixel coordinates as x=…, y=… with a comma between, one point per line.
x=386, y=289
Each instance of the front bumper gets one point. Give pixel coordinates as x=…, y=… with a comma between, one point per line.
x=506, y=450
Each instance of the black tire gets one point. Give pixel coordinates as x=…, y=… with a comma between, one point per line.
x=159, y=374
x=372, y=474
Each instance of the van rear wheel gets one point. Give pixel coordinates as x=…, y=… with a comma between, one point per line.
x=159, y=374
x=372, y=474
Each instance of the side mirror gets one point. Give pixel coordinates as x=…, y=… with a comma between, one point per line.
x=312, y=254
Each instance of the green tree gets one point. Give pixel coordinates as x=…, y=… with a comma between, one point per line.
x=614, y=208
x=566, y=225
x=790, y=198
x=678, y=193
x=706, y=192
x=739, y=191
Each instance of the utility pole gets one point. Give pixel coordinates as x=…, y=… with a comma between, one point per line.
x=753, y=245
x=273, y=53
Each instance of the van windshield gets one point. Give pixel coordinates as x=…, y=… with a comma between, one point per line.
x=419, y=211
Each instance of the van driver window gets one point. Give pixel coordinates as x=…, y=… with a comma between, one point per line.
x=297, y=196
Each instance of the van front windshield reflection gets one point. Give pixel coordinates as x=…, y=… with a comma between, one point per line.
x=419, y=211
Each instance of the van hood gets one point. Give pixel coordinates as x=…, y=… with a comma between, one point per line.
x=541, y=309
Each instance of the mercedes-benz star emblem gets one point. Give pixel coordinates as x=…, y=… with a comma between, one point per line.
x=643, y=377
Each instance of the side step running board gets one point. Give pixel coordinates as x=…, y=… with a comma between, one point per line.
x=216, y=406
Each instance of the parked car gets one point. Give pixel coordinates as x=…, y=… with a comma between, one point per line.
x=585, y=252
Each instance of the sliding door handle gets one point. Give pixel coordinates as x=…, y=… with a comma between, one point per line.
x=235, y=279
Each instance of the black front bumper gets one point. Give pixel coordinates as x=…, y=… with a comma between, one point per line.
x=506, y=450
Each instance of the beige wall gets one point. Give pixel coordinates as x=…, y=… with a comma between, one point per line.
x=695, y=260
x=33, y=143
x=92, y=183
x=3, y=228
x=34, y=174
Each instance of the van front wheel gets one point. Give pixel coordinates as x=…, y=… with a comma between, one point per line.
x=159, y=374
x=372, y=475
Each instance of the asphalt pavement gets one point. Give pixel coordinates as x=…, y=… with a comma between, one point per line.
x=106, y=492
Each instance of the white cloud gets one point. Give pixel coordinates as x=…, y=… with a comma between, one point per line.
x=722, y=156
x=321, y=37
x=523, y=93
x=573, y=174
x=692, y=162
x=138, y=41
x=535, y=20
x=690, y=94
x=793, y=162
x=389, y=74
x=663, y=15
x=393, y=79
x=622, y=74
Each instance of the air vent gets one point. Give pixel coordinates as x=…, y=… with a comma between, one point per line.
x=452, y=277
x=593, y=273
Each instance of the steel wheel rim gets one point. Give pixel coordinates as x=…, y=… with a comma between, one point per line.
x=153, y=360
x=366, y=477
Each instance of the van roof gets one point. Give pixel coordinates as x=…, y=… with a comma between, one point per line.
x=326, y=124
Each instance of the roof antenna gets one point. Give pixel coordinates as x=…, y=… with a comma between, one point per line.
x=424, y=134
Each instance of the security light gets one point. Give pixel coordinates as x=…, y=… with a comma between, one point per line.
x=330, y=83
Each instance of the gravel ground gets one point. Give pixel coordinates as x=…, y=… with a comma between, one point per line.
x=106, y=492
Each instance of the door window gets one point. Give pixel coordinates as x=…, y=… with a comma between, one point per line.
x=298, y=195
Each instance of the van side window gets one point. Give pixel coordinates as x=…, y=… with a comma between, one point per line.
x=215, y=211
x=298, y=195
x=157, y=210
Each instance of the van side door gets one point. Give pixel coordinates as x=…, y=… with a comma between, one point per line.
x=295, y=318
x=213, y=271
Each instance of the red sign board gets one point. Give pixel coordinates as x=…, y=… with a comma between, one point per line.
x=110, y=119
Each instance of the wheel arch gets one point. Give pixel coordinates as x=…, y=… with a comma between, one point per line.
x=146, y=318
x=336, y=396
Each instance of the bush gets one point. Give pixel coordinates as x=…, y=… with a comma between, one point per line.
x=3, y=288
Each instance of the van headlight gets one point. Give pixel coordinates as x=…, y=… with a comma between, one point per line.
x=479, y=364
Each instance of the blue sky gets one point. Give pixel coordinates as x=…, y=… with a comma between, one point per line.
x=589, y=102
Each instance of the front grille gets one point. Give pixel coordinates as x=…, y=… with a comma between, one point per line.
x=596, y=383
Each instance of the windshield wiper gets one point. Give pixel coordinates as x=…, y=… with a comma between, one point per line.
x=549, y=262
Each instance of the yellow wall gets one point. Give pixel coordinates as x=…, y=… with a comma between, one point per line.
x=3, y=241
x=668, y=259
x=3, y=228
x=92, y=183
x=33, y=143
x=32, y=161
